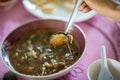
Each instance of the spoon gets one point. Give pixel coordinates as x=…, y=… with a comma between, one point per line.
x=74, y=13
x=59, y=37
x=105, y=73
x=10, y=76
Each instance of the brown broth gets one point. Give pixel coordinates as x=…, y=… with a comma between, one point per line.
x=32, y=54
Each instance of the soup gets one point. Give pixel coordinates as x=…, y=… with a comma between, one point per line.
x=32, y=54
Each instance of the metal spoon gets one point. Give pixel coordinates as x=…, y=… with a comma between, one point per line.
x=105, y=73
x=10, y=76
x=71, y=19
x=74, y=13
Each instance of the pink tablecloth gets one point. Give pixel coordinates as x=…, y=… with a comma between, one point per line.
x=98, y=30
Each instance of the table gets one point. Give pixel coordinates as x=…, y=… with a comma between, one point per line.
x=99, y=31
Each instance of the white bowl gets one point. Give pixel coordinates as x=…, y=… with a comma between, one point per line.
x=94, y=69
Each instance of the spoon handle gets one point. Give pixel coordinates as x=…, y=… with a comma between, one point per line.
x=103, y=56
x=74, y=13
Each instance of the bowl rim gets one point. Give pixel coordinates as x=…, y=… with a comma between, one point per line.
x=50, y=75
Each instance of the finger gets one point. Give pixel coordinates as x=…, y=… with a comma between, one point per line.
x=83, y=5
x=86, y=9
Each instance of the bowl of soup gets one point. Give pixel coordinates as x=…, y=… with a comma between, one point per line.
x=27, y=52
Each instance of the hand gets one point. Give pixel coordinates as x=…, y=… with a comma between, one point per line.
x=104, y=7
x=84, y=7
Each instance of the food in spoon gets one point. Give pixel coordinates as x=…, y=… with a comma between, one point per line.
x=32, y=54
x=60, y=39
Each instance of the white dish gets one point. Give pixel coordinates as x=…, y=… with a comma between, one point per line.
x=59, y=14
